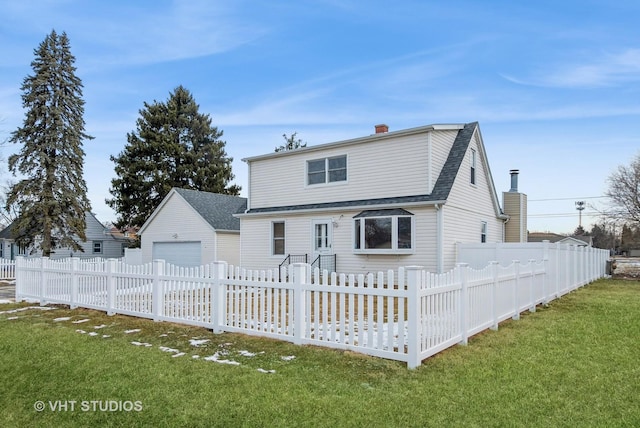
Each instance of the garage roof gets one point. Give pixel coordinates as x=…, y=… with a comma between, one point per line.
x=215, y=208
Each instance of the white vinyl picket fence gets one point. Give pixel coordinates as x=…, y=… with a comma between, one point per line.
x=406, y=315
x=7, y=269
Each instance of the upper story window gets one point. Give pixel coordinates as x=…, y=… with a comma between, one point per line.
x=384, y=231
x=327, y=170
x=97, y=247
x=473, y=166
x=483, y=232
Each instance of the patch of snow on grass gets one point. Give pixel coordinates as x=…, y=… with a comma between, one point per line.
x=198, y=342
x=104, y=336
x=216, y=358
x=247, y=353
x=179, y=354
x=135, y=330
x=141, y=344
x=5, y=301
x=13, y=318
x=166, y=349
x=80, y=321
x=93, y=333
x=81, y=331
x=266, y=371
x=100, y=326
x=61, y=319
x=288, y=358
x=26, y=308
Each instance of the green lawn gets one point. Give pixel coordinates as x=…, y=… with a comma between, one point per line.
x=574, y=363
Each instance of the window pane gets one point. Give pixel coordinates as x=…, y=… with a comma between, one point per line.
x=404, y=232
x=338, y=169
x=316, y=171
x=278, y=246
x=278, y=230
x=377, y=233
x=357, y=234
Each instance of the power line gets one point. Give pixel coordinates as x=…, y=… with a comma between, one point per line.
x=566, y=199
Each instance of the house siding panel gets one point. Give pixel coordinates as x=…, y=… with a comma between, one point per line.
x=256, y=241
x=468, y=206
x=228, y=247
x=379, y=169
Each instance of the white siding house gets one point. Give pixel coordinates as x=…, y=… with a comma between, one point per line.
x=191, y=228
x=373, y=203
x=100, y=243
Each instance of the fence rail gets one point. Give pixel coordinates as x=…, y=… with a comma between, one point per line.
x=406, y=315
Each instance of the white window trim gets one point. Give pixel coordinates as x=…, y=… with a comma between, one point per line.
x=272, y=240
x=473, y=171
x=394, y=236
x=93, y=247
x=326, y=172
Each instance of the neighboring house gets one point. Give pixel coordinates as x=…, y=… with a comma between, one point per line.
x=577, y=240
x=373, y=203
x=127, y=232
x=100, y=243
x=191, y=228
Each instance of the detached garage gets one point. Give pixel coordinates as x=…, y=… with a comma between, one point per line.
x=191, y=228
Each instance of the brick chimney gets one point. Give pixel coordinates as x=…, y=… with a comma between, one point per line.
x=381, y=129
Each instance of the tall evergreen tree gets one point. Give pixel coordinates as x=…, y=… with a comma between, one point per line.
x=51, y=194
x=173, y=146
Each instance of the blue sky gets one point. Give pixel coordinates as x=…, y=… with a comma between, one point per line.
x=555, y=85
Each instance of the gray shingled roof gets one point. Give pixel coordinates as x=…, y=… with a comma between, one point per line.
x=440, y=192
x=6, y=232
x=214, y=208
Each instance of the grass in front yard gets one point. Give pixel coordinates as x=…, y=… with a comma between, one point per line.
x=574, y=363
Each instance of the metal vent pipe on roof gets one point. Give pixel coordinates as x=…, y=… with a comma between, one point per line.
x=514, y=180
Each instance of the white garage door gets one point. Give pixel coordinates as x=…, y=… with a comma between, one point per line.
x=185, y=254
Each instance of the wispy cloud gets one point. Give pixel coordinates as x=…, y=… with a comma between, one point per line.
x=610, y=69
x=187, y=30
x=137, y=34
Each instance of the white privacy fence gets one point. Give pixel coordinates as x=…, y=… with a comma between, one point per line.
x=406, y=315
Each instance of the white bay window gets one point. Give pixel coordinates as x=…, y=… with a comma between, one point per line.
x=384, y=232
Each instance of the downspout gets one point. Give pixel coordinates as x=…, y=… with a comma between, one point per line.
x=504, y=229
x=439, y=239
x=429, y=162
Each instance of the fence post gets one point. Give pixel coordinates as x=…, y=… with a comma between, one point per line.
x=111, y=287
x=219, y=296
x=158, y=294
x=43, y=280
x=532, y=282
x=494, y=294
x=74, y=283
x=414, y=322
x=516, y=290
x=18, y=274
x=299, y=301
x=461, y=272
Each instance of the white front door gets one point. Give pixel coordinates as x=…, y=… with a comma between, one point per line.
x=322, y=234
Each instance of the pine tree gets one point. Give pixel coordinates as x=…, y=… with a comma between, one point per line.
x=51, y=194
x=173, y=146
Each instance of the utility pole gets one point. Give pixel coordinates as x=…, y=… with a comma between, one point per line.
x=580, y=206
